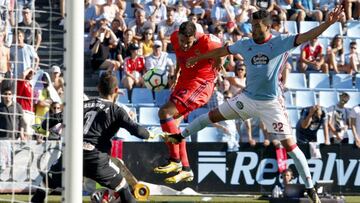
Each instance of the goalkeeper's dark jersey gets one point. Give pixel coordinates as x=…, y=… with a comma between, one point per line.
x=102, y=119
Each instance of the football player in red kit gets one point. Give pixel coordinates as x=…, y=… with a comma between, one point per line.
x=192, y=89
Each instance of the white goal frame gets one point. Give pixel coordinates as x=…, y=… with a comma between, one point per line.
x=74, y=90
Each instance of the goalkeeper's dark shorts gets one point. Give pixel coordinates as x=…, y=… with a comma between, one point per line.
x=97, y=166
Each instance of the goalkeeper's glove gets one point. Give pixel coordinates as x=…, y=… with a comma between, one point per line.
x=173, y=138
x=153, y=134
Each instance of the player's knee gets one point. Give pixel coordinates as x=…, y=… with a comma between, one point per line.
x=215, y=116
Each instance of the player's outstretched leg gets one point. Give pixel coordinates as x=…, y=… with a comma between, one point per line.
x=172, y=165
x=302, y=167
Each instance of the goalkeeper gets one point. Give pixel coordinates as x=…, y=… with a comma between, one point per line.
x=102, y=119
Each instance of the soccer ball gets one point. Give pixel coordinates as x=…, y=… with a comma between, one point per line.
x=156, y=79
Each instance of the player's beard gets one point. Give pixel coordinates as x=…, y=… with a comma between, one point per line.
x=259, y=38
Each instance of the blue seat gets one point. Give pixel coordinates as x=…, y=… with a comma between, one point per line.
x=346, y=45
x=328, y=98
x=294, y=117
x=334, y=29
x=149, y=116
x=305, y=98
x=296, y=81
x=353, y=29
x=319, y=81
x=289, y=101
x=197, y=112
x=342, y=81
x=142, y=97
x=161, y=97
x=209, y=134
x=357, y=82
x=291, y=26
x=354, y=99
x=325, y=43
x=123, y=98
x=172, y=56
x=307, y=25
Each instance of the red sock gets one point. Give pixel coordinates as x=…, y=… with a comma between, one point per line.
x=183, y=154
x=169, y=125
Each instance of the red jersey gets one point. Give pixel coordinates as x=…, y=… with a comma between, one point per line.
x=137, y=64
x=311, y=53
x=24, y=93
x=203, y=69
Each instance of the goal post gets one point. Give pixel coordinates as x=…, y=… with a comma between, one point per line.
x=74, y=90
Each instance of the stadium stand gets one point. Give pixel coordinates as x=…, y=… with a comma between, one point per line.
x=305, y=98
x=293, y=116
x=319, y=81
x=328, y=98
x=296, y=81
x=142, y=97
x=149, y=116
x=342, y=81
x=161, y=97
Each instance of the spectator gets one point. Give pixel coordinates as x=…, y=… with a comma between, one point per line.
x=57, y=80
x=160, y=60
x=350, y=6
x=31, y=29
x=111, y=10
x=325, y=6
x=308, y=7
x=20, y=6
x=338, y=120
x=140, y=24
x=238, y=83
x=243, y=15
x=91, y=12
x=194, y=19
x=222, y=13
x=25, y=98
x=311, y=119
x=23, y=55
x=352, y=60
x=291, y=12
x=335, y=55
x=134, y=68
x=146, y=43
x=102, y=39
x=312, y=57
x=166, y=28
x=155, y=11
x=42, y=99
x=355, y=124
x=10, y=110
x=181, y=13
x=118, y=27
x=4, y=57
x=252, y=128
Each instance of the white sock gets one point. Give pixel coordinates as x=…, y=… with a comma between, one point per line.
x=196, y=125
x=301, y=166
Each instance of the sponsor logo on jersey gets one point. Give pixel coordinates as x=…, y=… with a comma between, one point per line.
x=239, y=104
x=260, y=59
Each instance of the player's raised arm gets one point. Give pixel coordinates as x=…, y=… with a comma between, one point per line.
x=216, y=53
x=334, y=16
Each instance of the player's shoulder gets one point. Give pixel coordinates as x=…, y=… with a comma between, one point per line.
x=174, y=36
x=208, y=38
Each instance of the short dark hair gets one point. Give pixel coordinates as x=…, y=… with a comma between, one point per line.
x=7, y=86
x=276, y=19
x=262, y=15
x=187, y=29
x=353, y=43
x=107, y=83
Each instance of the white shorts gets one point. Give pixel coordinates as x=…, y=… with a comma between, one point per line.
x=271, y=112
x=29, y=118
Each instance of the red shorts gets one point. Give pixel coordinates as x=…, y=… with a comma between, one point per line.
x=191, y=95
